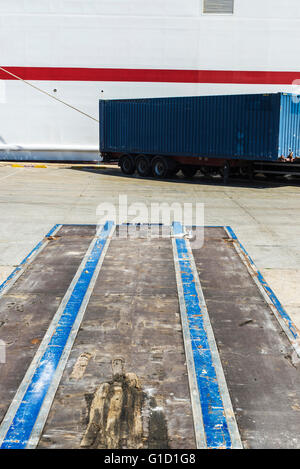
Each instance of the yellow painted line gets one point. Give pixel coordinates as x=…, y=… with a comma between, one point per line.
x=17, y=165
x=58, y=165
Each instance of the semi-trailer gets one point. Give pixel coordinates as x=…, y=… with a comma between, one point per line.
x=227, y=134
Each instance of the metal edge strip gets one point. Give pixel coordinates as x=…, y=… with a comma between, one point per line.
x=7, y=422
x=213, y=432
x=278, y=310
x=195, y=398
x=224, y=392
x=18, y=271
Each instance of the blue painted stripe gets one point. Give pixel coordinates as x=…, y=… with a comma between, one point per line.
x=27, y=258
x=214, y=420
x=22, y=425
x=284, y=315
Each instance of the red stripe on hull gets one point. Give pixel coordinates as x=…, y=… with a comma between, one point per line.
x=151, y=75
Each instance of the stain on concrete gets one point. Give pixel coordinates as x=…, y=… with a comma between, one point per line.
x=158, y=430
x=80, y=366
x=118, y=411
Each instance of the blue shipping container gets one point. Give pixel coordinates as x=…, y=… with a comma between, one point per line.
x=249, y=127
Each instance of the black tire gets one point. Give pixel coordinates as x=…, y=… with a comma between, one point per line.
x=143, y=166
x=127, y=164
x=160, y=167
x=189, y=171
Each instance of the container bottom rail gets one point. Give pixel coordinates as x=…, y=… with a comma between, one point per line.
x=162, y=167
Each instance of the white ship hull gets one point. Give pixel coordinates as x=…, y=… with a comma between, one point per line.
x=80, y=51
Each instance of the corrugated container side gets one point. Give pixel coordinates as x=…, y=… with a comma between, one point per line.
x=237, y=126
x=289, y=131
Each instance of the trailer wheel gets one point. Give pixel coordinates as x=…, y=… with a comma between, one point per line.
x=160, y=167
x=189, y=171
x=127, y=164
x=143, y=165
